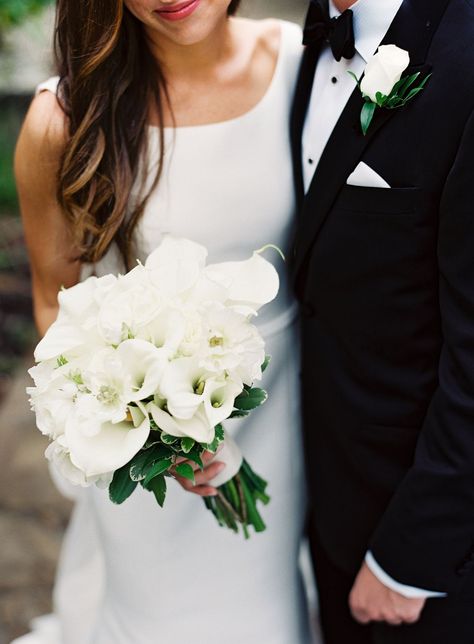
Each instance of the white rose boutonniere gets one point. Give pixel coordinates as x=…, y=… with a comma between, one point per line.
x=382, y=85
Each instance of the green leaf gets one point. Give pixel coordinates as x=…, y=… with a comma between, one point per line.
x=185, y=470
x=187, y=444
x=195, y=456
x=156, y=469
x=140, y=463
x=167, y=439
x=381, y=99
x=354, y=77
x=250, y=399
x=122, y=485
x=366, y=116
x=266, y=362
x=404, y=84
x=220, y=432
x=158, y=487
x=239, y=413
x=413, y=93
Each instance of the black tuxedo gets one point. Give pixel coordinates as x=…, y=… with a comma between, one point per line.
x=386, y=282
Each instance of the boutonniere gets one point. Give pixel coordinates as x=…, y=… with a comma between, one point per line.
x=382, y=85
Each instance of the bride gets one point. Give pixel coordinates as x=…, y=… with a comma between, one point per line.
x=171, y=117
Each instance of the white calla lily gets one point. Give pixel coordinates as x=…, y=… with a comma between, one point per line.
x=198, y=427
x=108, y=449
x=219, y=397
x=182, y=388
x=252, y=282
x=144, y=364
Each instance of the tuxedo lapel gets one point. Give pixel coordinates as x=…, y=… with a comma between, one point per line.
x=412, y=29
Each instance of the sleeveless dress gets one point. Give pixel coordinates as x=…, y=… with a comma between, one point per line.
x=138, y=574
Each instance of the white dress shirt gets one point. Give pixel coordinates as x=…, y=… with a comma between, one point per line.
x=331, y=90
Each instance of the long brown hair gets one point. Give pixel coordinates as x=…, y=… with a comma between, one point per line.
x=108, y=81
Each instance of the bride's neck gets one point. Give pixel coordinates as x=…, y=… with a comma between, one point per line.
x=197, y=58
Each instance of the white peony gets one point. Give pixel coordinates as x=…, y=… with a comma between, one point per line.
x=384, y=70
x=232, y=345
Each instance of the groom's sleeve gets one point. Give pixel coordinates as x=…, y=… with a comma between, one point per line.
x=426, y=536
x=410, y=592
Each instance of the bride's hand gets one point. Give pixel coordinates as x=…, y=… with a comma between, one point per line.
x=202, y=478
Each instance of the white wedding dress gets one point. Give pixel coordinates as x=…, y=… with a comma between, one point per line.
x=138, y=574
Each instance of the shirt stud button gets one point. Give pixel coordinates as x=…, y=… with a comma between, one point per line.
x=334, y=80
x=310, y=161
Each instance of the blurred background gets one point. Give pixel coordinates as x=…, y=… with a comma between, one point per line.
x=32, y=514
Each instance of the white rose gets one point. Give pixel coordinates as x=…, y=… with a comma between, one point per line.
x=52, y=399
x=128, y=307
x=384, y=70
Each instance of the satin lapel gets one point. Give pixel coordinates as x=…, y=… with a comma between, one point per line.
x=412, y=29
x=298, y=115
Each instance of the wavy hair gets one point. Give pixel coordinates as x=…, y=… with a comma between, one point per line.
x=109, y=79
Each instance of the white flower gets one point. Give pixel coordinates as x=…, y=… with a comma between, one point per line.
x=182, y=388
x=175, y=266
x=384, y=70
x=197, y=427
x=52, y=399
x=250, y=284
x=60, y=457
x=233, y=346
x=219, y=397
x=144, y=364
x=65, y=338
x=129, y=306
x=108, y=449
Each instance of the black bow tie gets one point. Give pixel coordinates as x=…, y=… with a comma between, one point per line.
x=338, y=32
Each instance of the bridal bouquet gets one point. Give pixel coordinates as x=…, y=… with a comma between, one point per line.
x=139, y=371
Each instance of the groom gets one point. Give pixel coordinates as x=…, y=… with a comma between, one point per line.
x=384, y=269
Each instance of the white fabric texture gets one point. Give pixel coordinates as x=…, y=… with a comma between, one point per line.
x=137, y=574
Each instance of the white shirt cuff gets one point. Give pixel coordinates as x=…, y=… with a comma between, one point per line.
x=410, y=592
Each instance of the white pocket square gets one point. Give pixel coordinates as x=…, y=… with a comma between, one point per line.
x=364, y=177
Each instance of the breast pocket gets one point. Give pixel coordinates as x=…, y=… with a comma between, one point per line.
x=379, y=201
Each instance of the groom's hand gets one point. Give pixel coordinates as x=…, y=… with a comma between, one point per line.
x=371, y=601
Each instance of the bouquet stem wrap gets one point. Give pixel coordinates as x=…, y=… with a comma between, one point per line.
x=239, y=488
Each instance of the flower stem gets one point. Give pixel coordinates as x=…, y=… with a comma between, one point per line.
x=236, y=502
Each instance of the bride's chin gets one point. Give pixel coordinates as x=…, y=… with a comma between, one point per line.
x=191, y=31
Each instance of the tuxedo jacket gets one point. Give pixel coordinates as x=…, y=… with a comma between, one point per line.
x=385, y=278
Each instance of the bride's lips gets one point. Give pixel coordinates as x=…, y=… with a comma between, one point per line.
x=178, y=11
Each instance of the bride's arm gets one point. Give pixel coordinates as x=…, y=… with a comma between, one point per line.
x=48, y=239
